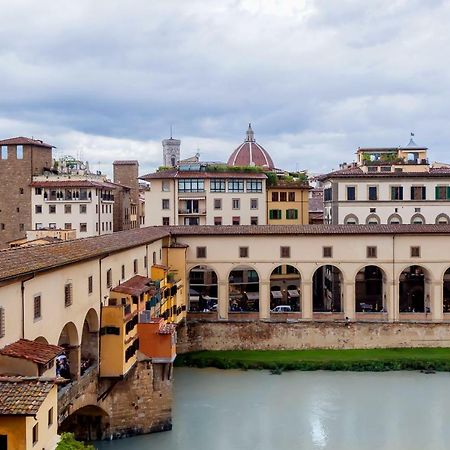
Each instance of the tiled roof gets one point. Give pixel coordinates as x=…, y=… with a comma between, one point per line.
x=164, y=174
x=245, y=230
x=126, y=162
x=36, y=352
x=25, y=141
x=290, y=185
x=356, y=172
x=26, y=260
x=23, y=396
x=73, y=183
x=135, y=286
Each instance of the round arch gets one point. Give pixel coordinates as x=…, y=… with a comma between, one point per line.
x=395, y=219
x=89, y=341
x=90, y=422
x=446, y=291
x=351, y=219
x=41, y=340
x=373, y=219
x=327, y=284
x=243, y=289
x=203, y=288
x=69, y=339
x=442, y=219
x=370, y=296
x=418, y=219
x=285, y=284
x=414, y=289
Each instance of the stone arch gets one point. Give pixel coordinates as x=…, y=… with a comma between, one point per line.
x=395, y=219
x=243, y=289
x=285, y=285
x=41, y=340
x=370, y=289
x=89, y=341
x=203, y=288
x=327, y=285
x=442, y=219
x=418, y=219
x=351, y=219
x=414, y=289
x=446, y=291
x=371, y=218
x=69, y=339
x=88, y=422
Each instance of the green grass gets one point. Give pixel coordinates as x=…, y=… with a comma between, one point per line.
x=277, y=361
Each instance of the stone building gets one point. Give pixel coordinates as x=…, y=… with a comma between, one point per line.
x=126, y=173
x=171, y=152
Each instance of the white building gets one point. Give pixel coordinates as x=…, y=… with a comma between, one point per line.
x=388, y=186
x=77, y=203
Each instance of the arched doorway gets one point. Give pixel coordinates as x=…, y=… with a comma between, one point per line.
x=413, y=290
x=243, y=289
x=327, y=289
x=89, y=423
x=69, y=340
x=285, y=289
x=89, y=341
x=446, y=291
x=369, y=290
x=203, y=289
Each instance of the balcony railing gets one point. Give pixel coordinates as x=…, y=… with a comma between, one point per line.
x=187, y=212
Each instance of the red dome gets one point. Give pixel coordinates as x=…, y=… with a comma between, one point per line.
x=249, y=153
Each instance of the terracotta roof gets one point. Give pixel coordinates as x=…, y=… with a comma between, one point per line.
x=356, y=172
x=126, y=162
x=23, y=396
x=164, y=174
x=36, y=352
x=73, y=183
x=25, y=141
x=290, y=185
x=245, y=230
x=135, y=286
x=27, y=260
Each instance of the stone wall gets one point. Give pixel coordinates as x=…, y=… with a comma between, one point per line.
x=215, y=335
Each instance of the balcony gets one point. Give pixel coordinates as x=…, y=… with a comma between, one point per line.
x=192, y=212
x=67, y=198
x=107, y=198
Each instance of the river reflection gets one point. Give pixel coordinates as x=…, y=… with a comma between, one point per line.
x=228, y=410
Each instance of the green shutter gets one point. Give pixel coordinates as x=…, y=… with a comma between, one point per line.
x=271, y=214
x=448, y=192
x=296, y=214
x=436, y=192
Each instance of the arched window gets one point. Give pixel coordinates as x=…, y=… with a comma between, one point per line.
x=417, y=219
x=442, y=219
x=395, y=219
x=351, y=219
x=373, y=219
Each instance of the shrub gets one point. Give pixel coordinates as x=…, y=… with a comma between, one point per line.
x=68, y=442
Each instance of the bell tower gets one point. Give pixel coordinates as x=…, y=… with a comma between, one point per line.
x=171, y=151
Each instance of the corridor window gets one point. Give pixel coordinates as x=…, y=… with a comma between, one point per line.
x=37, y=306
x=243, y=252
x=327, y=252
x=109, y=278
x=371, y=252
x=285, y=252
x=135, y=266
x=415, y=252
x=2, y=322
x=67, y=294
x=123, y=271
x=201, y=252
x=90, y=284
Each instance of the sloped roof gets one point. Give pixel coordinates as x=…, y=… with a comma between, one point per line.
x=36, y=352
x=135, y=286
x=25, y=141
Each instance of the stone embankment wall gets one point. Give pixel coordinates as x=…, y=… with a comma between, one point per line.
x=215, y=335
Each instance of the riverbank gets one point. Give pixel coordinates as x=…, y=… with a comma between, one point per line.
x=374, y=360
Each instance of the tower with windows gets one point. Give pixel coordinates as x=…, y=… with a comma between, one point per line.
x=171, y=151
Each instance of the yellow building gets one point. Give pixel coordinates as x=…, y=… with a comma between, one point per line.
x=287, y=203
x=28, y=413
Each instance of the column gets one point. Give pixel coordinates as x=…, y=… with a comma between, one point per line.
x=349, y=299
x=393, y=307
x=307, y=300
x=223, y=300
x=264, y=300
x=436, y=300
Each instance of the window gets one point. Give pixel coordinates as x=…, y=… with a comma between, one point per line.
x=83, y=209
x=191, y=185
x=236, y=220
x=327, y=252
x=38, y=191
x=372, y=210
x=274, y=196
x=201, y=252
x=217, y=220
x=253, y=220
x=292, y=214
x=165, y=221
x=52, y=209
x=83, y=227
x=243, y=252
x=253, y=203
x=372, y=169
x=135, y=266
x=373, y=192
x=415, y=252
x=68, y=226
x=52, y=225
x=67, y=294
x=21, y=226
x=417, y=210
x=417, y=219
x=17, y=209
x=291, y=196
x=90, y=284
x=442, y=192
x=165, y=185
x=21, y=191
x=275, y=214
x=50, y=417
x=235, y=185
x=217, y=185
x=35, y=434
x=285, y=252
x=2, y=227
x=154, y=258
x=165, y=203
x=122, y=271
x=109, y=278
x=254, y=186
x=396, y=193
x=37, y=306
x=283, y=197
x=236, y=203
x=327, y=195
x=38, y=209
x=418, y=192
x=351, y=193
x=4, y=153
x=145, y=261
x=2, y=322
x=371, y=252
x=67, y=209
x=217, y=203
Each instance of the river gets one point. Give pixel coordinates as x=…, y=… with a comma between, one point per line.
x=254, y=410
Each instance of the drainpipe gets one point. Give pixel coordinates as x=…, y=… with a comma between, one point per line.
x=101, y=310
x=393, y=278
x=22, y=289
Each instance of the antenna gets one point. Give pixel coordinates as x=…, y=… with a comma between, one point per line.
x=170, y=131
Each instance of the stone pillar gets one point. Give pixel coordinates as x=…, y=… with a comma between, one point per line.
x=74, y=358
x=264, y=299
x=436, y=301
x=393, y=306
x=349, y=299
x=223, y=300
x=307, y=300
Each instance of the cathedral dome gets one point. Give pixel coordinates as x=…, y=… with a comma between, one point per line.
x=249, y=153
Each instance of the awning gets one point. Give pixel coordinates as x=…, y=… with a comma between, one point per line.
x=293, y=293
x=276, y=294
x=191, y=198
x=252, y=295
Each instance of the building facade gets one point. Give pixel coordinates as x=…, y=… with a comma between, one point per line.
x=287, y=203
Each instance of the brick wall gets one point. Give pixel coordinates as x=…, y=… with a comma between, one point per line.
x=127, y=174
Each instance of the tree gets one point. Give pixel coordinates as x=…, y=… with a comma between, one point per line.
x=68, y=442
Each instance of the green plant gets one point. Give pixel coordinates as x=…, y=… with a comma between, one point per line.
x=163, y=168
x=68, y=442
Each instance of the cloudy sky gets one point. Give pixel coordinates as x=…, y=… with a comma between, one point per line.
x=105, y=79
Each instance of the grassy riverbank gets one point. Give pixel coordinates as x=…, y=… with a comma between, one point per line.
x=375, y=360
